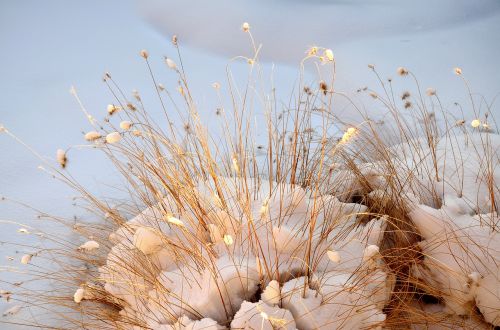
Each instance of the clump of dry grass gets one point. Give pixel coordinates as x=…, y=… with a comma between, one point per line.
x=306, y=145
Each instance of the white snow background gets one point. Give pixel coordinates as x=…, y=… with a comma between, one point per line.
x=46, y=47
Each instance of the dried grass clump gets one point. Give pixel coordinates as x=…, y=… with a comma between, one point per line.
x=317, y=196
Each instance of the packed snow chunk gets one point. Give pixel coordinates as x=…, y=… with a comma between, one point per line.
x=487, y=297
x=343, y=308
x=215, y=292
x=370, y=252
x=462, y=169
x=148, y=240
x=129, y=281
x=461, y=260
x=350, y=250
x=334, y=256
x=89, y=246
x=286, y=240
x=272, y=293
x=185, y=323
x=262, y=316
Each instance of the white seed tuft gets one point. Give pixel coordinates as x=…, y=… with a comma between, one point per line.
x=228, y=239
x=26, y=259
x=61, y=157
x=173, y=220
x=329, y=54
x=402, y=71
x=111, y=108
x=245, y=27
x=92, y=136
x=125, y=125
x=475, y=123
x=113, y=137
x=171, y=64
x=78, y=296
x=351, y=131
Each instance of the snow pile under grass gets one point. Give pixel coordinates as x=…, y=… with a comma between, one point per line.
x=164, y=280
x=450, y=200
x=247, y=268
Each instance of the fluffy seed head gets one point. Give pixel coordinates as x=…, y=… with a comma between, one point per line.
x=245, y=27
x=173, y=220
x=323, y=87
x=228, y=239
x=23, y=231
x=78, y=296
x=475, y=123
x=170, y=63
x=236, y=167
x=457, y=71
x=125, y=125
x=112, y=109
x=312, y=51
x=329, y=54
x=113, y=137
x=61, y=157
x=92, y=136
x=430, y=91
x=144, y=53
x=474, y=277
x=26, y=259
x=402, y=71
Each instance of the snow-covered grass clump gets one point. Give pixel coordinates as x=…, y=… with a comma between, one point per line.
x=314, y=223
x=259, y=277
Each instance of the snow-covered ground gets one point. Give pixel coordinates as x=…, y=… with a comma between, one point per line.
x=49, y=46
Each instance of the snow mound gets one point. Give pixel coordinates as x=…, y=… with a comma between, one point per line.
x=167, y=273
